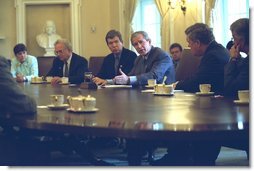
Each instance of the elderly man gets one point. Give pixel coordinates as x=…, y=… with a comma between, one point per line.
x=120, y=57
x=67, y=64
x=23, y=66
x=211, y=70
x=152, y=63
x=214, y=57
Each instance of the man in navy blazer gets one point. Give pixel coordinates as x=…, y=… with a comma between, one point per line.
x=67, y=64
x=152, y=63
x=119, y=58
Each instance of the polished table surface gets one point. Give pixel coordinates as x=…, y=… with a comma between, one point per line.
x=130, y=113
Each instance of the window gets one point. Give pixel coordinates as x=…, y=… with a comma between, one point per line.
x=147, y=18
x=225, y=13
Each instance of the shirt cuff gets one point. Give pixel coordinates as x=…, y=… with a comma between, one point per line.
x=133, y=79
x=110, y=81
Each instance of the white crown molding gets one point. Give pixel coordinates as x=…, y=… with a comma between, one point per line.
x=75, y=5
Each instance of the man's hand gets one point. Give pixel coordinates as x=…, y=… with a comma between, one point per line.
x=20, y=78
x=99, y=81
x=121, y=79
x=234, y=51
x=56, y=80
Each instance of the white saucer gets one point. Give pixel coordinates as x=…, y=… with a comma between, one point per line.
x=63, y=106
x=156, y=94
x=37, y=82
x=83, y=111
x=150, y=86
x=204, y=94
x=63, y=83
x=241, y=102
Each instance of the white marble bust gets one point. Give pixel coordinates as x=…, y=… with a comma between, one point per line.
x=47, y=39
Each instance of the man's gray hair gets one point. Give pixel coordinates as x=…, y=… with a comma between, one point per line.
x=65, y=42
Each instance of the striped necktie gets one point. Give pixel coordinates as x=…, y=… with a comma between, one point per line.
x=66, y=70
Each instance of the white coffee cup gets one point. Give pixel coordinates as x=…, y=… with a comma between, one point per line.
x=243, y=95
x=65, y=80
x=151, y=82
x=80, y=103
x=163, y=89
x=57, y=99
x=205, y=88
x=48, y=79
x=36, y=79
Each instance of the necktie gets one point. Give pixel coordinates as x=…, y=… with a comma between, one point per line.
x=116, y=64
x=66, y=70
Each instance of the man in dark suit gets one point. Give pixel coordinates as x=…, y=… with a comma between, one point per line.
x=12, y=98
x=152, y=63
x=119, y=58
x=214, y=57
x=237, y=70
x=211, y=70
x=67, y=64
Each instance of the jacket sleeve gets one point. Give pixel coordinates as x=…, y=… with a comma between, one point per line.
x=12, y=98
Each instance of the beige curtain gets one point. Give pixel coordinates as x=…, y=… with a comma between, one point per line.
x=130, y=8
x=165, y=24
x=209, y=6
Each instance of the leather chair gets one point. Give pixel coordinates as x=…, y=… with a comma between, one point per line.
x=187, y=66
x=44, y=64
x=95, y=63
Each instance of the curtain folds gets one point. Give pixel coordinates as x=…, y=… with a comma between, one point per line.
x=209, y=6
x=129, y=13
x=165, y=24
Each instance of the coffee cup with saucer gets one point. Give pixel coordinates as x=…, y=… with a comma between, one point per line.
x=82, y=104
x=57, y=102
x=243, y=96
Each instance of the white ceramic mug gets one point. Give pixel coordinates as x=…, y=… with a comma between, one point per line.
x=163, y=89
x=48, y=79
x=243, y=95
x=205, y=88
x=80, y=103
x=65, y=80
x=57, y=99
x=151, y=82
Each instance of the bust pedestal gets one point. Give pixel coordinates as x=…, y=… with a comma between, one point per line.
x=49, y=52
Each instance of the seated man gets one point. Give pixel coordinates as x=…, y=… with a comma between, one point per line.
x=214, y=57
x=175, y=51
x=120, y=57
x=23, y=66
x=237, y=70
x=67, y=64
x=12, y=98
x=152, y=63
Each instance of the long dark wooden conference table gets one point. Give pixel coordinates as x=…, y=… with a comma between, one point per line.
x=130, y=113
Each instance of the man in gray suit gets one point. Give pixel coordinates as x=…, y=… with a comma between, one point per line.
x=152, y=63
x=12, y=98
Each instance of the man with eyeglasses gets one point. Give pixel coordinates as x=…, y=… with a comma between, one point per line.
x=67, y=64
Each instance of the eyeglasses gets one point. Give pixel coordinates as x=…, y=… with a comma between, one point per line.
x=59, y=52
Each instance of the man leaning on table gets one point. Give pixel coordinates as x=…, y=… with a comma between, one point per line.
x=23, y=66
x=120, y=57
x=67, y=64
x=152, y=63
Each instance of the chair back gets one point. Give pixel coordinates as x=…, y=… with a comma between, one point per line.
x=188, y=65
x=44, y=64
x=95, y=63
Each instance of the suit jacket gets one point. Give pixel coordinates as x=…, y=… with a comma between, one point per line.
x=12, y=98
x=157, y=65
x=210, y=70
x=127, y=59
x=78, y=67
x=236, y=76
